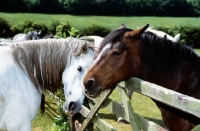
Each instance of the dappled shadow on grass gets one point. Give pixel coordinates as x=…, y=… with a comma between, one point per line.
x=51, y=109
x=114, y=117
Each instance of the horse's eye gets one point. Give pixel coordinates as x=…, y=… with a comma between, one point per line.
x=116, y=53
x=79, y=68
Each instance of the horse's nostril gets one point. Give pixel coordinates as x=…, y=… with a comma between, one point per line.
x=86, y=92
x=89, y=83
x=71, y=106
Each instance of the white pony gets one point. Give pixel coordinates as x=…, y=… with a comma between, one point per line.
x=4, y=42
x=97, y=40
x=32, y=35
x=163, y=34
x=30, y=67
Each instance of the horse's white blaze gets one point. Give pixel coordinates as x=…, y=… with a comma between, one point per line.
x=108, y=46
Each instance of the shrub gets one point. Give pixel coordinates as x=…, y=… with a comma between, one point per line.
x=190, y=35
x=95, y=30
x=52, y=28
x=4, y=28
x=15, y=30
x=30, y=25
x=62, y=29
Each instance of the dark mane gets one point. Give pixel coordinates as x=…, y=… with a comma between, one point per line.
x=163, y=54
x=113, y=36
x=44, y=61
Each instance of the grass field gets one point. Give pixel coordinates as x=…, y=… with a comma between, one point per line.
x=108, y=21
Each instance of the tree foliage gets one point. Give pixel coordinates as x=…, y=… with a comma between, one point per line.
x=105, y=7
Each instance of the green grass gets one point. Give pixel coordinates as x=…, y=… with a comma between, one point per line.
x=107, y=21
x=197, y=51
x=141, y=104
x=44, y=121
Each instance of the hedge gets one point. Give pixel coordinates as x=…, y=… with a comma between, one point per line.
x=190, y=35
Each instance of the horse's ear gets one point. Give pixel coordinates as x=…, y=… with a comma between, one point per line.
x=165, y=36
x=122, y=26
x=81, y=49
x=177, y=37
x=138, y=32
x=143, y=29
x=39, y=33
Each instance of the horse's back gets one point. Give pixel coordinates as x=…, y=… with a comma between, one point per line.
x=19, y=37
x=97, y=40
x=162, y=34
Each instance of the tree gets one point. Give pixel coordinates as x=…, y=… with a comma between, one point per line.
x=48, y=6
x=13, y=6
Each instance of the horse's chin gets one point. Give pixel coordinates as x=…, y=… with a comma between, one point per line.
x=93, y=94
x=70, y=113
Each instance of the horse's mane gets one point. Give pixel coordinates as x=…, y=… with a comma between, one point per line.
x=163, y=54
x=44, y=61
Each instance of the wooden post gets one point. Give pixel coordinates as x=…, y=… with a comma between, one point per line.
x=95, y=109
x=42, y=105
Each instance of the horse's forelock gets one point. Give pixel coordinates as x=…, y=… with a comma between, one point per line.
x=113, y=36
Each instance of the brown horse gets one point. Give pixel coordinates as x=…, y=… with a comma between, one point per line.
x=127, y=53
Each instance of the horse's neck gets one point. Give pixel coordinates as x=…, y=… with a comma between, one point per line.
x=157, y=64
x=170, y=70
x=28, y=37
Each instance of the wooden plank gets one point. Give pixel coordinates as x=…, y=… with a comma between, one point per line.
x=97, y=121
x=100, y=124
x=169, y=97
x=129, y=111
x=117, y=109
x=96, y=107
